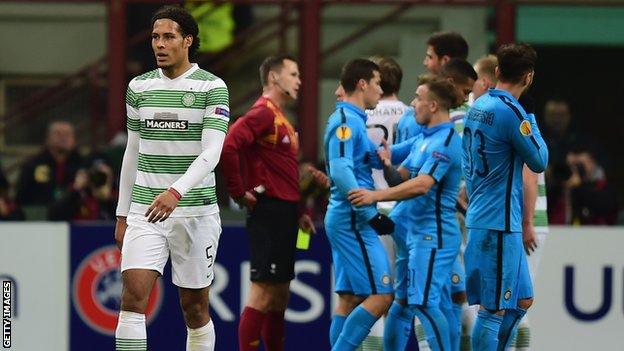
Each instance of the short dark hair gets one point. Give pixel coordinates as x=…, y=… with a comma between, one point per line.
x=442, y=90
x=514, y=61
x=391, y=74
x=449, y=43
x=354, y=70
x=186, y=22
x=460, y=70
x=273, y=63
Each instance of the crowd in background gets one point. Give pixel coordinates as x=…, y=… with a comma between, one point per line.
x=59, y=183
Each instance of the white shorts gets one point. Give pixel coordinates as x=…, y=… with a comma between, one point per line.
x=191, y=241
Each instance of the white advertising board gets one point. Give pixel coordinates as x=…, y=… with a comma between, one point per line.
x=35, y=258
x=579, y=294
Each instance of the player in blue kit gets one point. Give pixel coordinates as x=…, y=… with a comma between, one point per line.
x=363, y=276
x=499, y=138
x=433, y=240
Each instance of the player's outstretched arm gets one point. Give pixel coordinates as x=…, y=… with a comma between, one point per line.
x=408, y=189
x=400, y=151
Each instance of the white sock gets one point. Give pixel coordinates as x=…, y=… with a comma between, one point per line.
x=201, y=339
x=131, y=334
x=469, y=315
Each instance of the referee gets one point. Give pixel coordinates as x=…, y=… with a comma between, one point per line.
x=259, y=161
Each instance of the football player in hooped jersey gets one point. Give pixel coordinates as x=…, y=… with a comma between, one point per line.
x=499, y=138
x=433, y=168
x=177, y=120
x=363, y=277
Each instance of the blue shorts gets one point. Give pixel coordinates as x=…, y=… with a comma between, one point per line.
x=429, y=267
x=360, y=262
x=458, y=276
x=401, y=258
x=497, y=274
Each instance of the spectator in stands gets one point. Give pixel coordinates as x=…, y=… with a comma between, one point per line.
x=44, y=177
x=91, y=197
x=559, y=135
x=594, y=200
x=583, y=195
x=9, y=211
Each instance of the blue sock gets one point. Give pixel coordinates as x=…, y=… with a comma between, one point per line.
x=458, y=308
x=397, y=328
x=508, y=327
x=454, y=325
x=436, y=327
x=485, y=331
x=355, y=329
x=335, y=328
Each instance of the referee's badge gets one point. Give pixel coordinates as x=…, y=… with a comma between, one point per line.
x=343, y=132
x=188, y=99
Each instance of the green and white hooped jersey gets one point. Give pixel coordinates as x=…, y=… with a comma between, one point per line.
x=540, y=217
x=457, y=116
x=169, y=115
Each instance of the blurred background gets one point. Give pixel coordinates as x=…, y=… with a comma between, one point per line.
x=64, y=67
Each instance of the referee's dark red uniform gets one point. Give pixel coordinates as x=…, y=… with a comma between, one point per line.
x=267, y=145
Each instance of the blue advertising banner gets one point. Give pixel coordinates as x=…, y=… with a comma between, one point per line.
x=96, y=290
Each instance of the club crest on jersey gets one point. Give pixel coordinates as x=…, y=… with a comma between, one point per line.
x=507, y=295
x=343, y=133
x=96, y=290
x=188, y=99
x=525, y=128
x=166, y=124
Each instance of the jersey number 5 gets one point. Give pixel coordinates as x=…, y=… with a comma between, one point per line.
x=480, y=150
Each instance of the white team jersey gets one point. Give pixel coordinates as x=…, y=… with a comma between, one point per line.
x=381, y=124
x=169, y=115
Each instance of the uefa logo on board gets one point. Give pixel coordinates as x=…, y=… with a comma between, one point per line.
x=96, y=291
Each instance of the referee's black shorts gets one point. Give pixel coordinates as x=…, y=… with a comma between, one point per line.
x=272, y=228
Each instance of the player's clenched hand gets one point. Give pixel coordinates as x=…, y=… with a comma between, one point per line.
x=319, y=177
x=120, y=230
x=247, y=201
x=161, y=207
x=361, y=197
x=384, y=153
x=306, y=224
x=529, y=239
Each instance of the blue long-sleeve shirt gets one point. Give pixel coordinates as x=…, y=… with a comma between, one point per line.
x=499, y=137
x=436, y=152
x=350, y=157
x=407, y=126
